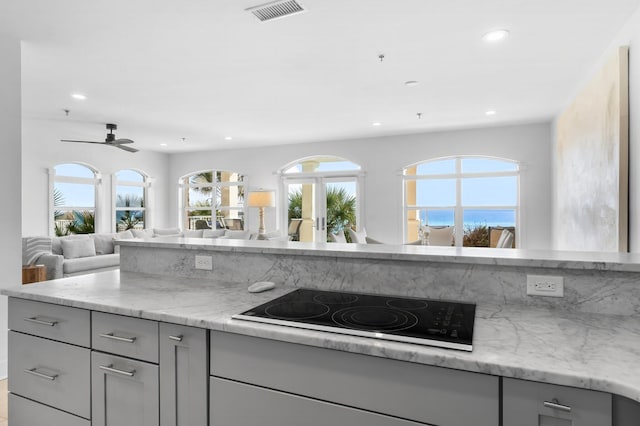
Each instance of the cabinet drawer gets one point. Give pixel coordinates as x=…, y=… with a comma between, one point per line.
x=124, y=391
x=532, y=404
x=62, y=323
x=238, y=404
x=131, y=337
x=417, y=392
x=24, y=412
x=49, y=372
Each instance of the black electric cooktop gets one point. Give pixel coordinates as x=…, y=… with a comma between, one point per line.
x=419, y=321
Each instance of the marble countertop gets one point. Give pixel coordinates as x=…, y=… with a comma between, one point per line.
x=602, y=261
x=591, y=351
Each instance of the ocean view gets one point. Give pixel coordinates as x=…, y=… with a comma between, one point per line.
x=471, y=217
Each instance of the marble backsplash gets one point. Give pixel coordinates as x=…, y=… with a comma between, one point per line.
x=594, y=291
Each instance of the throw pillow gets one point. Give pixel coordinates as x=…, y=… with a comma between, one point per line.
x=103, y=243
x=236, y=235
x=142, y=233
x=193, y=234
x=213, y=233
x=56, y=242
x=124, y=235
x=158, y=232
x=358, y=237
x=75, y=248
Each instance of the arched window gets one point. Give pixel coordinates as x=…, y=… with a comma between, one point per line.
x=129, y=189
x=212, y=199
x=471, y=194
x=322, y=197
x=73, y=190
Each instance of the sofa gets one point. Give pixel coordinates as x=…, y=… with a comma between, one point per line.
x=74, y=254
x=85, y=254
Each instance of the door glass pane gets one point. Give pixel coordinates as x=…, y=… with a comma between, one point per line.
x=129, y=176
x=434, y=192
x=493, y=191
x=200, y=219
x=301, y=211
x=341, y=207
x=430, y=217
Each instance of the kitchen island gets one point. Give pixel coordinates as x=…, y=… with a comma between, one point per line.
x=531, y=343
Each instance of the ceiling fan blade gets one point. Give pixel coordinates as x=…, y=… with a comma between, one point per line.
x=126, y=148
x=121, y=141
x=67, y=140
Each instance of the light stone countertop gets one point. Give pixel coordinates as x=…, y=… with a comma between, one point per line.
x=591, y=351
x=601, y=261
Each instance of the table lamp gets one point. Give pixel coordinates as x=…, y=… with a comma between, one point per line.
x=262, y=198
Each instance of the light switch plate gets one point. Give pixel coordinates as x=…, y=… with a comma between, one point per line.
x=545, y=285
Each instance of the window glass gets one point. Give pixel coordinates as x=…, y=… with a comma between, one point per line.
x=322, y=164
x=74, y=203
x=129, y=176
x=436, y=192
x=129, y=196
x=74, y=170
x=490, y=191
x=437, y=167
x=216, y=200
x=480, y=165
x=489, y=217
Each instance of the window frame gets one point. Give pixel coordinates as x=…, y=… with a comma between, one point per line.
x=458, y=209
x=145, y=184
x=96, y=181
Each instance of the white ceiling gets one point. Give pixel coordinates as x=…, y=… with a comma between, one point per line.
x=205, y=69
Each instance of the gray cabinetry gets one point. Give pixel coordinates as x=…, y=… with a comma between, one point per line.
x=184, y=372
x=405, y=390
x=239, y=404
x=539, y=404
x=25, y=412
x=131, y=337
x=123, y=391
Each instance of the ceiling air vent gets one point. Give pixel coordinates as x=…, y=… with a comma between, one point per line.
x=276, y=9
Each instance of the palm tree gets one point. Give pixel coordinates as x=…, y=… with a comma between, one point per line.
x=83, y=223
x=129, y=218
x=341, y=209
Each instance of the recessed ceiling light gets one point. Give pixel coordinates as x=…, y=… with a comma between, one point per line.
x=490, y=112
x=227, y=138
x=163, y=144
x=79, y=96
x=411, y=83
x=376, y=124
x=496, y=35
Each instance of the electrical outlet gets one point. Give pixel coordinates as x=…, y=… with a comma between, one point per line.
x=545, y=285
x=204, y=262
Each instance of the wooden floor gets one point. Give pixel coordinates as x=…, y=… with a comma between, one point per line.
x=3, y=403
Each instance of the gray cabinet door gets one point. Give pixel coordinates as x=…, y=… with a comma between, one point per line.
x=124, y=392
x=539, y=404
x=184, y=373
x=239, y=404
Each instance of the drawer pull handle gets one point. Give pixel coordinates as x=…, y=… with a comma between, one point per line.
x=110, y=369
x=34, y=372
x=556, y=405
x=176, y=338
x=35, y=320
x=118, y=338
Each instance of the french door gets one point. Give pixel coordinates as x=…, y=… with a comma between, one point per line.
x=319, y=205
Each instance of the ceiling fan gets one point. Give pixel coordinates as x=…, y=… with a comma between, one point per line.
x=110, y=140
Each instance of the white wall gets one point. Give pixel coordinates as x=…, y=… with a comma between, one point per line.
x=629, y=35
x=42, y=149
x=383, y=160
x=10, y=248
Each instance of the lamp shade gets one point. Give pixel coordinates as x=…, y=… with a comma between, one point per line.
x=262, y=198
